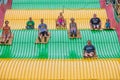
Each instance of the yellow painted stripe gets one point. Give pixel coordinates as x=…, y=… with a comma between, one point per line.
x=37, y=69
x=20, y=17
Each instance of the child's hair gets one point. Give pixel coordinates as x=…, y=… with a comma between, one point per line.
x=72, y=19
x=6, y=22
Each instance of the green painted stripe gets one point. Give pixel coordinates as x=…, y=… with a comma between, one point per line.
x=54, y=4
x=60, y=46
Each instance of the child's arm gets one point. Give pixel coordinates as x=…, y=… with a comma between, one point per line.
x=2, y=31
x=46, y=27
x=76, y=26
x=38, y=29
x=70, y=26
x=10, y=31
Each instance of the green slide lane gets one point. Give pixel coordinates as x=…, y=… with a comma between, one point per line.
x=54, y=4
x=60, y=46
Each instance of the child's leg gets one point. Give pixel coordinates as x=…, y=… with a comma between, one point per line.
x=45, y=36
x=3, y=38
x=86, y=54
x=8, y=37
x=63, y=24
x=39, y=39
x=75, y=33
x=32, y=27
x=93, y=26
x=58, y=23
x=91, y=54
x=71, y=33
x=107, y=27
x=46, y=33
x=40, y=36
x=98, y=26
x=28, y=27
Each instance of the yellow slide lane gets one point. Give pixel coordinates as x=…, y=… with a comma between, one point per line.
x=18, y=18
x=81, y=69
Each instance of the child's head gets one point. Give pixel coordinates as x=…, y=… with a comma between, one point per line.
x=72, y=19
x=6, y=22
x=61, y=14
x=107, y=20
